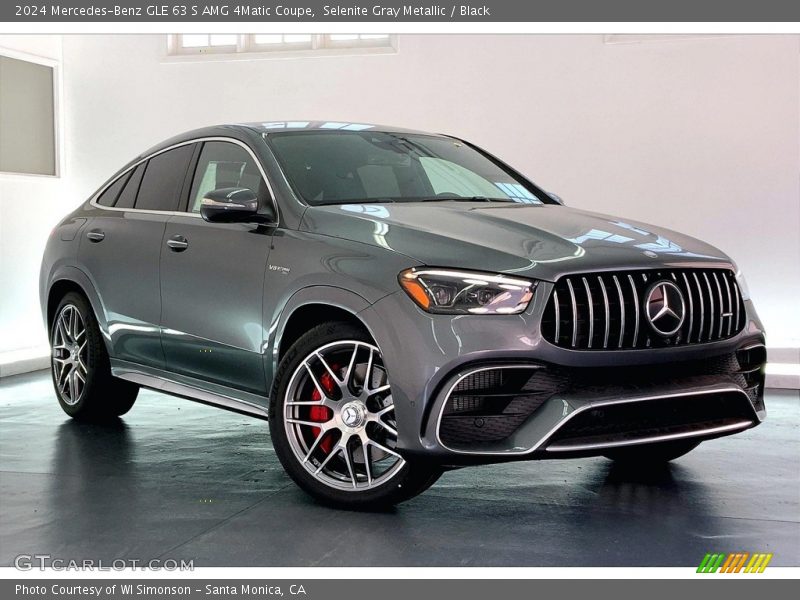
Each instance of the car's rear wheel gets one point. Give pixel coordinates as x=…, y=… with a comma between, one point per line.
x=652, y=453
x=80, y=366
x=333, y=425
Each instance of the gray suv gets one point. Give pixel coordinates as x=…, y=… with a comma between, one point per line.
x=397, y=304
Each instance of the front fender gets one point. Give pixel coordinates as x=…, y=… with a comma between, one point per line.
x=318, y=294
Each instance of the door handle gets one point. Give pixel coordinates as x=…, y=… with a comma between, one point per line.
x=178, y=243
x=95, y=235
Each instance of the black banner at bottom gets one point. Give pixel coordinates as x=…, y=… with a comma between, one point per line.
x=383, y=589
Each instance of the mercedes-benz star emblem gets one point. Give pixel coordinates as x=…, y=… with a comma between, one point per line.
x=665, y=308
x=353, y=414
x=350, y=416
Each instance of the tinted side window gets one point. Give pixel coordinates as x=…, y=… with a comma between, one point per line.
x=128, y=195
x=109, y=197
x=163, y=179
x=224, y=165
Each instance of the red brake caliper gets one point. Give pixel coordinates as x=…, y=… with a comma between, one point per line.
x=322, y=414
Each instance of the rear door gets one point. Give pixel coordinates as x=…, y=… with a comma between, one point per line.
x=122, y=247
x=212, y=278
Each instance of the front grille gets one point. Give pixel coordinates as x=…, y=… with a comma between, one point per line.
x=606, y=311
x=650, y=419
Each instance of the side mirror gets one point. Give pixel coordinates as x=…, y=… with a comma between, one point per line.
x=230, y=205
x=556, y=197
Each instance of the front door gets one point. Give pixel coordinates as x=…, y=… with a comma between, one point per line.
x=212, y=280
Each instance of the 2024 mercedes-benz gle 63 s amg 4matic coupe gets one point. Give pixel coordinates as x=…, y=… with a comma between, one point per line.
x=397, y=303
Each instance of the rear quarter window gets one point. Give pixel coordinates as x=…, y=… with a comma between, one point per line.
x=127, y=197
x=163, y=179
x=111, y=193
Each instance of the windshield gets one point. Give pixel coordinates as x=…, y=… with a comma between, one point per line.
x=338, y=167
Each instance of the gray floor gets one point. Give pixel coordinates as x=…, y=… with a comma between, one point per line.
x=174, y=479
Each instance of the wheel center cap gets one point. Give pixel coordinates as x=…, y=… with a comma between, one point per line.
x=354, y=414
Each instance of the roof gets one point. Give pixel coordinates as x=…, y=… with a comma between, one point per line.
x=261, y=127
x=304, y=125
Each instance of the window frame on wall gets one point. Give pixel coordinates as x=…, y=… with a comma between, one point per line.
x=55, y=67
x=355, y=40
x=251, y=43
x=247, y=46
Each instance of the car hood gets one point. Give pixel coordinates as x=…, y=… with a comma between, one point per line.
x=541, y=241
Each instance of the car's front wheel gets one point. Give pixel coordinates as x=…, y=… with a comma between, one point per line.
x=80, y=365
x=333, y=425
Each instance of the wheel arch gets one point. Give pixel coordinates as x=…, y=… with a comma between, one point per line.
x=309, y=307
x=57, y=291
x=71, y=279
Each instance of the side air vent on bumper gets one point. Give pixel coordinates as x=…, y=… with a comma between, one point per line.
x=608, y=311
x=489, y=404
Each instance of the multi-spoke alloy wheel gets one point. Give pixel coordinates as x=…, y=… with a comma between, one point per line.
x=333, y=422
x=339, y=416
x=70, y=354
x=81, y=366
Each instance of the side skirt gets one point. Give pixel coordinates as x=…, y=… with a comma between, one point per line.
x=192, y=389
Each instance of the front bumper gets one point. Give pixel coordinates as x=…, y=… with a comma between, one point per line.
x=429, y=355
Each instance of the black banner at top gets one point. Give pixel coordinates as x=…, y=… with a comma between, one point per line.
x=409, y=11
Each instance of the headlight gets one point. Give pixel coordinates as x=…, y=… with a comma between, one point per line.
x=451, y=292
x=743, y=289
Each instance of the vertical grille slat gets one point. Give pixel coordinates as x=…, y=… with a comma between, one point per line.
x=636, y=310
x=702, y=308
x=710, y=308
x=738, y=302
x=590, y=302
x=621, y=312
x=721, y=307
x=730, y=304
x=574, y=313
x=557, y=309
x=597, y=300
x=691, y=308
x=607, y=312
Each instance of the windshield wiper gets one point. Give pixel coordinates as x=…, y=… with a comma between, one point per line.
x=466, y=199
x=357, y=201
x=402, y=200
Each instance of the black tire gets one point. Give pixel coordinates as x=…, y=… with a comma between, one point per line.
x=411, y=479
x=101, y=396
x=652, y=453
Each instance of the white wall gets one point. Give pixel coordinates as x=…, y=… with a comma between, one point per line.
x=695, y=134
x=29, y=207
